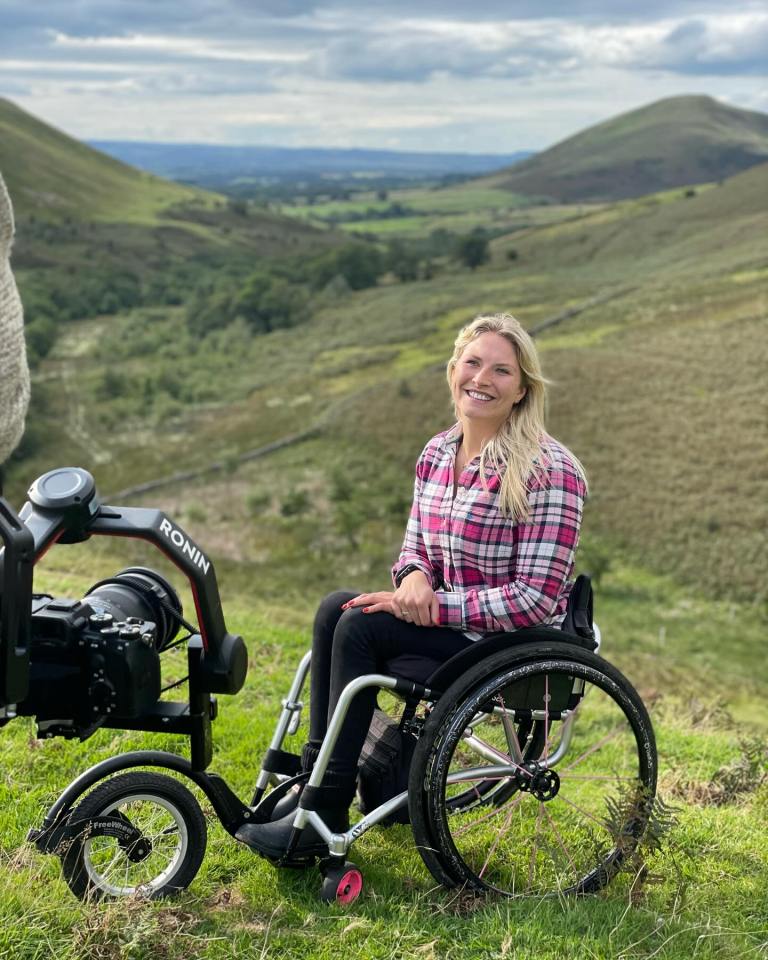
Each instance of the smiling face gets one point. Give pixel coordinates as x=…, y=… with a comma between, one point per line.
x=487, y=382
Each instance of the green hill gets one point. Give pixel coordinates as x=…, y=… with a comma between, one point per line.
x=670, y=143
x=52, y=175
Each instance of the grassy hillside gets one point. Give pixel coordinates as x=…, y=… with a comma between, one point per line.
x=670, y=434
x=701, y=893
x=95, y=236
x=678, y=141
x=52, y=175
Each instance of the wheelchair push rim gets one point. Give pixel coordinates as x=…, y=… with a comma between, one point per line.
x=569, y=811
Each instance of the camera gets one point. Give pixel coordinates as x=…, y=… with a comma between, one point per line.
x=77, y=665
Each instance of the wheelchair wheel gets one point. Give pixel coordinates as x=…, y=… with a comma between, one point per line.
x=143, y=834
x=570, y=807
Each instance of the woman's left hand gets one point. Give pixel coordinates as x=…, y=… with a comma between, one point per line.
x=388, y=602
x=382, y=600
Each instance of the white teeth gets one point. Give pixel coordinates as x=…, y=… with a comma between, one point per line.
x=478, y=396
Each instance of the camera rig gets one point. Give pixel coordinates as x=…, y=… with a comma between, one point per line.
x=78, y=665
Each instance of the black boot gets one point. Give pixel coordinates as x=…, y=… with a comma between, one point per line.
x=288, y=804
x=331, y=801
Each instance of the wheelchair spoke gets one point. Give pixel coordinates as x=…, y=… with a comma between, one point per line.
x=487, y=816
x=558, y=837
x=534, y=848
x=607, y=778
x=598, y=746
x=499, y=833
x=583, y=812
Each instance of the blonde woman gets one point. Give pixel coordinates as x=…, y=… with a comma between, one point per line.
x=489, y=547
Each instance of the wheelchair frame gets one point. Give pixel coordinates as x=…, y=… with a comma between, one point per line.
x=521, y=768
x=290, y=718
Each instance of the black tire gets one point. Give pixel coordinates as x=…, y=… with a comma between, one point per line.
x=543, y=833
x=163, y=861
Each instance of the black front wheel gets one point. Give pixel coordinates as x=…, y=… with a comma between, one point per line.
x=143, y=834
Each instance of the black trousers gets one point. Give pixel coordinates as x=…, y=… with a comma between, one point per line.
x=349, y=643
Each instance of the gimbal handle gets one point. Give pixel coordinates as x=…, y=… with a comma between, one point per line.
x=16, y=562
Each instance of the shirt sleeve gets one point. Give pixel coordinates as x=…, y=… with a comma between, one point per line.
x=413, y=551
x=541, y=563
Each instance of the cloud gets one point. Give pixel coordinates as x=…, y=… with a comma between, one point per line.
x=415, y=50
x=334, y=72
x=724, y=45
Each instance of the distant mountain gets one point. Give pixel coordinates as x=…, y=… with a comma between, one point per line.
x=213, y=165
x=670, y=143
x=55, y=176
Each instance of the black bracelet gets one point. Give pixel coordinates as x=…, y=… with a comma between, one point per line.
x=402, y=574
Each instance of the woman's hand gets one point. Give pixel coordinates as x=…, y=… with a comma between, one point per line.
x=375, y=602
x=414, y=601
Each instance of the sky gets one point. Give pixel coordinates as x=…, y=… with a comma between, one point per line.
x=484, y=77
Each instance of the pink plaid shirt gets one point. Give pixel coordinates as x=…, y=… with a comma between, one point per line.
x=489, y=573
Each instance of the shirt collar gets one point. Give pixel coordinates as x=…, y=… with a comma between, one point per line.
x=454, y=435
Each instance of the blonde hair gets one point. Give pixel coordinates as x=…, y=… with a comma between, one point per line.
x=518, y=451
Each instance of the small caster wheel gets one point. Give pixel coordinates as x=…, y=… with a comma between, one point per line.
x=341, y=884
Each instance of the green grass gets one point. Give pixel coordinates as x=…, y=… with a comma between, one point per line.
x=457, y=209
x=702, y=894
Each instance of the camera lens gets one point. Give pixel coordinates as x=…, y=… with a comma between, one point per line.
x=138, y=593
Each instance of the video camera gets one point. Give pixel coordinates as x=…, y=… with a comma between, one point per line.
x=78, y=665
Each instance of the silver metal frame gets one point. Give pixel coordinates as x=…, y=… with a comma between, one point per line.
x=339, y=843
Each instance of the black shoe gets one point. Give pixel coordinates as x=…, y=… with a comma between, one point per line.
x=289, y=802
x=271, y=839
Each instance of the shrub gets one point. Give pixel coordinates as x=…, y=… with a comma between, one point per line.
x=360, y=264
x=473, y=250
x=295, y=503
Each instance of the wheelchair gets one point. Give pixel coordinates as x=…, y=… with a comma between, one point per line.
x=534, y=775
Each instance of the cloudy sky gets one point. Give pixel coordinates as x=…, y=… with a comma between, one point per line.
x=482, y=77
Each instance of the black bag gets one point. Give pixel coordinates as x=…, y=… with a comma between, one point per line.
x=385, y=762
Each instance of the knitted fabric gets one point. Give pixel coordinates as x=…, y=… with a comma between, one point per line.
x=14, y=375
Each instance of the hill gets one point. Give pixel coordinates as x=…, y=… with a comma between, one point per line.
x=670, y=143
x=95, y=236
x=52, y=175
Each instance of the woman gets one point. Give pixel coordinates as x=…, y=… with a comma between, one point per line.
x=14, y=376
x=489, y=547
